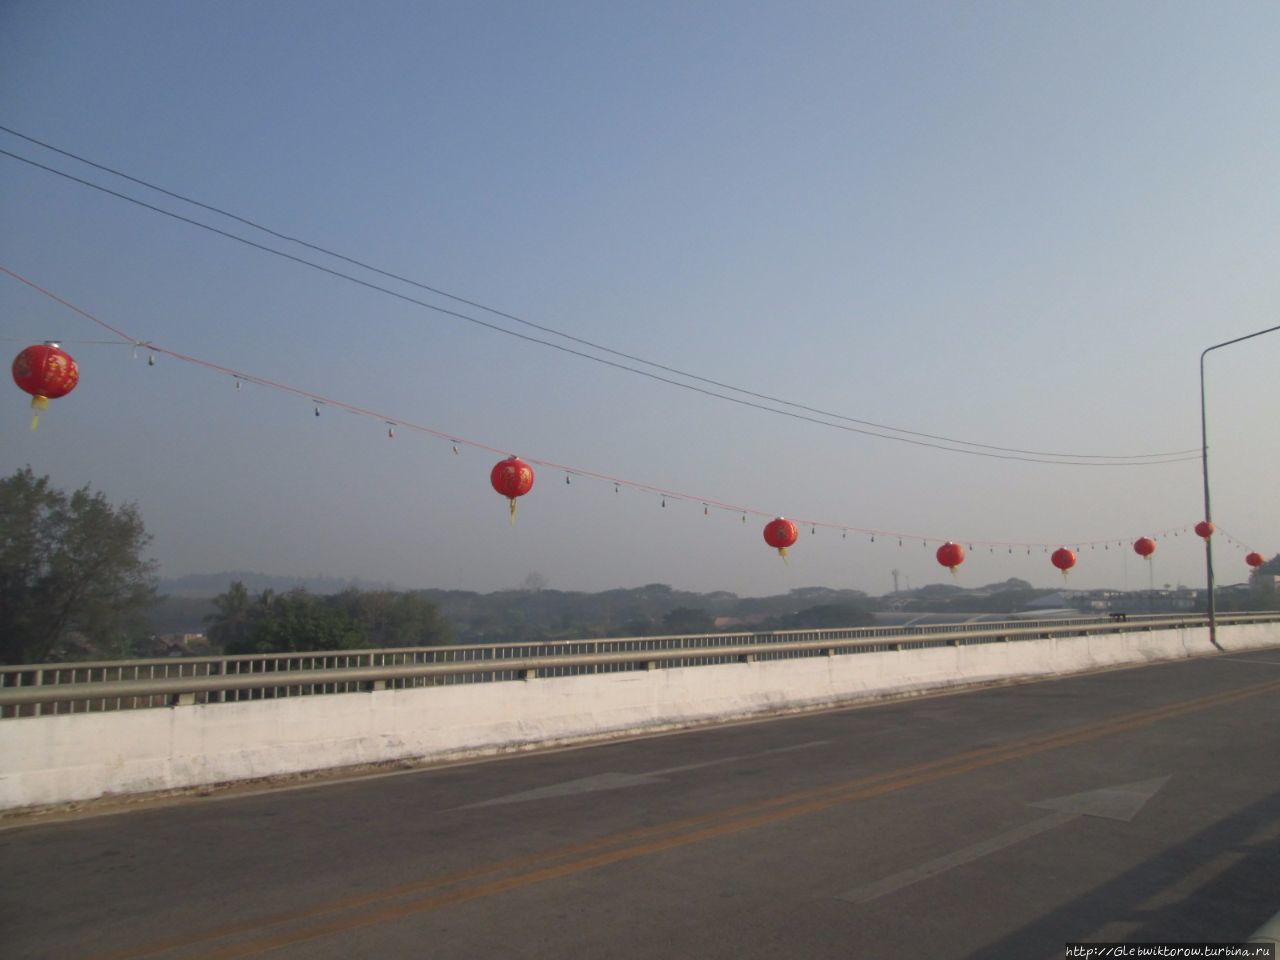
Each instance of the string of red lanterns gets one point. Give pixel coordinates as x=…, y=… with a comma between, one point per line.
x=47, y=372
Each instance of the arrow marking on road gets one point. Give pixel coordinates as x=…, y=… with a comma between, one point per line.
x=1111, y=803
x=619, y=781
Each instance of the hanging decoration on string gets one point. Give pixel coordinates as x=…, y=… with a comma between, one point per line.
x=1144, y=547
x=951, y=555
x=780, y=533
x=1255, y=559
x=512, y=478
x=47, y=372
x=1063, y=559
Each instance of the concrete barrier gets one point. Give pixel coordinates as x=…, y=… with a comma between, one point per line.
x=65, y=758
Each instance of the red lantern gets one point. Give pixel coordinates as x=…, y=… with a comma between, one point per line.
x=1255, y=560
x=1144, y=546
x=780, y=533
x=1204, y=529
x=1063, y=559
x=512, y=478
x=46, y=372
x=951, y=555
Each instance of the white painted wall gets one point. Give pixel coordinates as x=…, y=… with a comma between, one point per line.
x=56, y=759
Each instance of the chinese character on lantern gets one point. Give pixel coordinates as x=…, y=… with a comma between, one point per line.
x=512, y=478
x=780, y=533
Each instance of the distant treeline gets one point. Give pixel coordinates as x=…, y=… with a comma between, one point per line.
x=655, y=609
x=239, y=620
x=298, y=620
x=243, y=621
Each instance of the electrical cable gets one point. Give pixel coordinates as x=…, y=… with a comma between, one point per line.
x=601, y=360
x=1058, y=457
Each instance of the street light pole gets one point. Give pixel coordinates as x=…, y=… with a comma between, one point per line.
x=1204, y=461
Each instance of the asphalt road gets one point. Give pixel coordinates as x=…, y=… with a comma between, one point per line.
x=1135, y=805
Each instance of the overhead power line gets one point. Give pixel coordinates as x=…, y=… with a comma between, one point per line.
x=948, y=444
x=559, y=333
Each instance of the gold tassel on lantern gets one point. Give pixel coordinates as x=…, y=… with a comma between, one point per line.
x=39, y=405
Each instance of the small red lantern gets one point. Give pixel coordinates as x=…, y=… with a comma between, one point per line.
x=1255, y=560
x=1144, y=547
x=1204, y=529
x=951, y=555
x=1063, y=559
x=512, y=478
x=46, y=372
x=780, y=533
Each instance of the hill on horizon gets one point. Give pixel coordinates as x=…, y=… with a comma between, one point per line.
x=212, y=584
x=534, y=611
x=208, y=585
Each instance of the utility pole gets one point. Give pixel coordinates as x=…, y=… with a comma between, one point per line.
x=1204, y=459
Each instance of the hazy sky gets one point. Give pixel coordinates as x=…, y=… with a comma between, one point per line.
x=1014, y=224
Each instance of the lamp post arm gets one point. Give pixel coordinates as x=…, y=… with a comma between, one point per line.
x=1204, y=426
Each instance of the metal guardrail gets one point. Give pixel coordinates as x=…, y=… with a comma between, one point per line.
x=47, y=689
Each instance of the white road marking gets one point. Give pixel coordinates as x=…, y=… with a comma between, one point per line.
x=1112, y=803
x=619, y=781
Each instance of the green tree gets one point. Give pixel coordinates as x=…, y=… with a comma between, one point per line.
x=230, y=623
x=297, y=621
x=69, y=564
x=391, y=619
x=636, y=627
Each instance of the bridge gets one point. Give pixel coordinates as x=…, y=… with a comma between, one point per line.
x=76, y=732
x=1001, y=821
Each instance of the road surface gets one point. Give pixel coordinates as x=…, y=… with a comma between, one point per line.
x=1138, y=805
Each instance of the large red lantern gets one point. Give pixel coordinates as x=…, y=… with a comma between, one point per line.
x=951, y=555
x=780, y=533
x=1204, y=529
x=46, y=372
x=1144, y=547
x=1063, y=559
x=512, y=478
x=1255, y=560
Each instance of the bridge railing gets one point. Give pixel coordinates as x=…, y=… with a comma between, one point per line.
x=59, y=688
